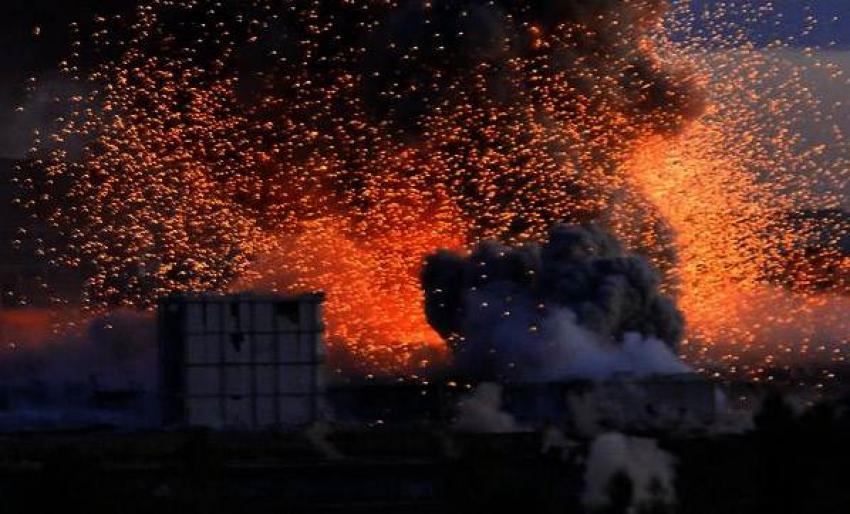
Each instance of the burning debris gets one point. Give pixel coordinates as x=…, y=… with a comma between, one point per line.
x=599, y=48
x=221, y=143
x=298, y=146
x=303, y=145
x=575, y=307
x=816, y=253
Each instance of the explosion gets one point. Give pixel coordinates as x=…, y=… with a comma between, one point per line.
x=303, y=145
x=577, y=307
x=747, y=194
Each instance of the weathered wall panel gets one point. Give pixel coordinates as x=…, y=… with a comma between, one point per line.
x=241, y=361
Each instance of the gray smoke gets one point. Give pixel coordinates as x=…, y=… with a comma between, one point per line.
x=576, y=307
x=482, y=412
x=650, y=470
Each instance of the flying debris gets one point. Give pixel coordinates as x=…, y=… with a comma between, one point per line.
x=298, y=145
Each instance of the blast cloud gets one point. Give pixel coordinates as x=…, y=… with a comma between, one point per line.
x=576, y=307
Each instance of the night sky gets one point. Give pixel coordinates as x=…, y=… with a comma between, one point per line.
x=26, y=55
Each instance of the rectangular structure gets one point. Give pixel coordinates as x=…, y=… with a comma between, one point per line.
x=244, y=361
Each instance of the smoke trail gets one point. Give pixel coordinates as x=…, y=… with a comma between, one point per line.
x=577, y=306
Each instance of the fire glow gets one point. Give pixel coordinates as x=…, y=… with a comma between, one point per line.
x=333, y=145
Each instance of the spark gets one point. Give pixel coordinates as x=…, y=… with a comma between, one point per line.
x=218, y=148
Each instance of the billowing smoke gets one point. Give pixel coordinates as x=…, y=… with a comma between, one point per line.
x=482, y=412
x=576, y=306
x=649, y=470
x=497, y=35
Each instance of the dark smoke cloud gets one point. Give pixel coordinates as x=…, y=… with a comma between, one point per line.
x=577, y=306
x=411, y=66
x=415, y=63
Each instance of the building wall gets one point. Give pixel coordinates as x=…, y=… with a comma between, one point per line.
x=241, y=361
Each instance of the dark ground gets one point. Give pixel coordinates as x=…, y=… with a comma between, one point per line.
x=201, y=472
x=789, y=465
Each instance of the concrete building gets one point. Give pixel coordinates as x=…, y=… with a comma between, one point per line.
x=244, y=361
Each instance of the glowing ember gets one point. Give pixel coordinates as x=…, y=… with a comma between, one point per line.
x=305, y=145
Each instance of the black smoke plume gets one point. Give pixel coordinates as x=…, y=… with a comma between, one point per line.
x=577, y=306
x=414, y=64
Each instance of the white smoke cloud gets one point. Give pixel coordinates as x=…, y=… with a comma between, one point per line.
x=555, y=347
x=680, y=405
x=650, y=469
